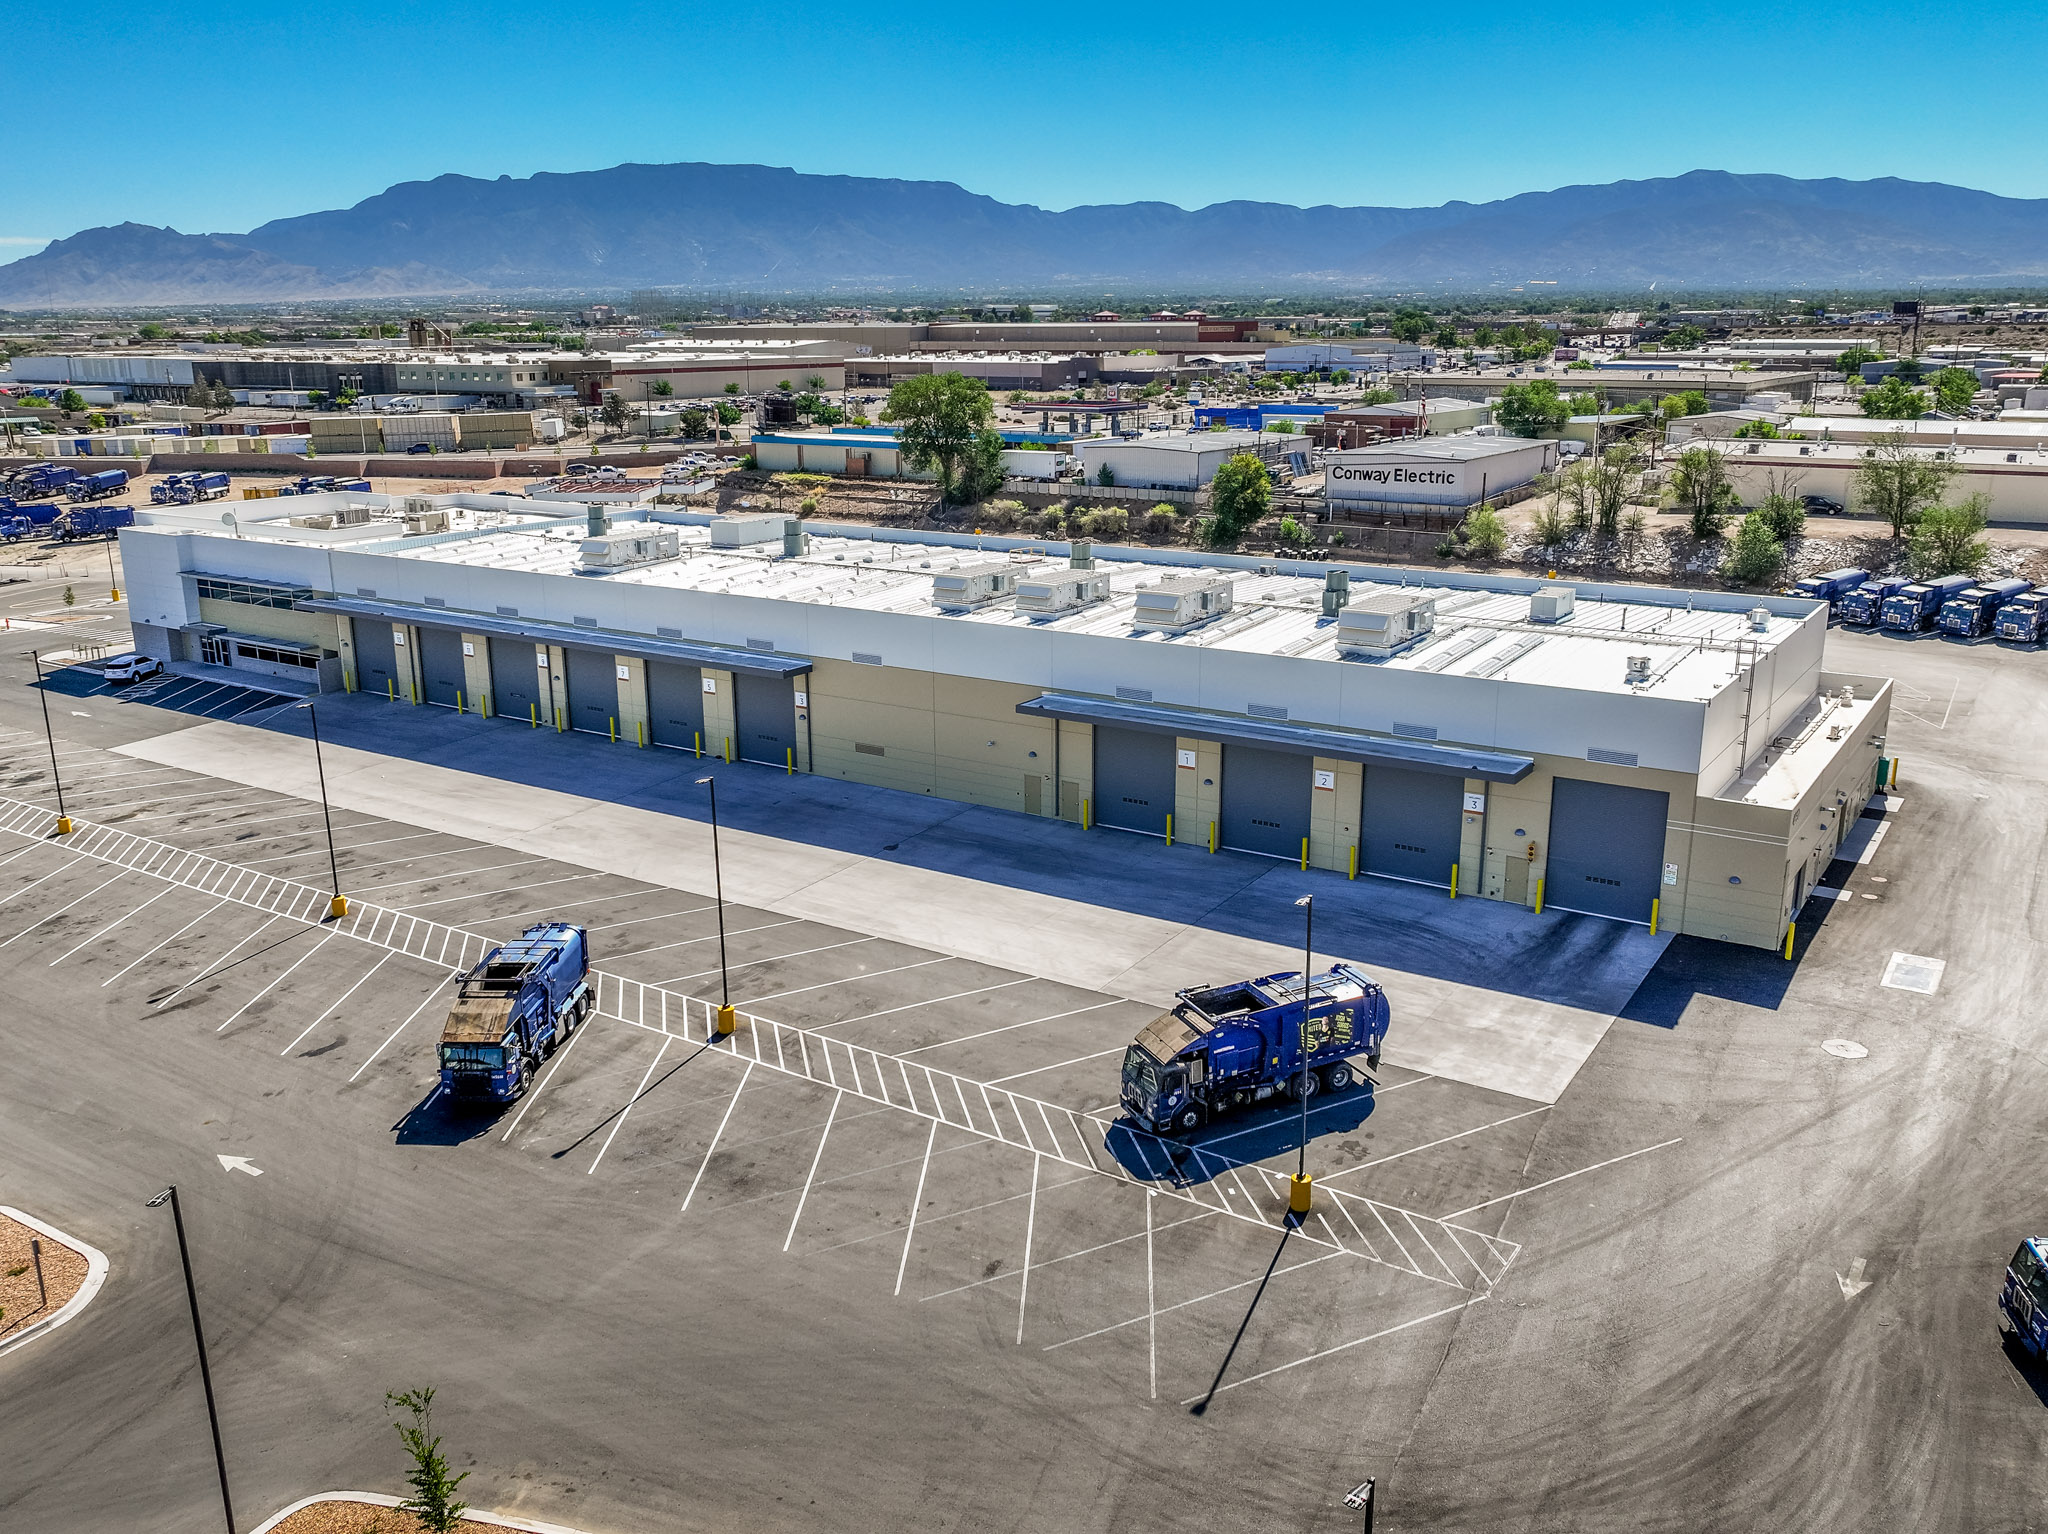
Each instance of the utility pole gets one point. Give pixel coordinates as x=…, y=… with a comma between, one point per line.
x=220, y=1460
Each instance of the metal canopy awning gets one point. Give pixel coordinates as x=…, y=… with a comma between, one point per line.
x=747, y=662
x=1302, y=739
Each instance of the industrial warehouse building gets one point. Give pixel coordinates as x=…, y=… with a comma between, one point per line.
x=1637, y=754
x=1186, y=460
x=1446, y=472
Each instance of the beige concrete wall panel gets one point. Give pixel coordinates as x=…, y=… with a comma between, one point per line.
x=633, y=717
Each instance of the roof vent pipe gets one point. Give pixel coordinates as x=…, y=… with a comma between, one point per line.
x=597, y=521
x=1081, y=555
x=1336, y=592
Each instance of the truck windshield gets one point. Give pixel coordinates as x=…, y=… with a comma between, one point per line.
x=1140, y=1071
x=2031, y=1272
x=490, y=1057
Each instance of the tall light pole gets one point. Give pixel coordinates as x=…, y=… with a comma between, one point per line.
x=338, y=906
x=63, y=820
x=220, y=1459
x=726, y=1020
x=113, y=580
x=1299, y=1188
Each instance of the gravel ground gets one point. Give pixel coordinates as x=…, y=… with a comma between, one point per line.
x=20, y=1304
x=356, y=1518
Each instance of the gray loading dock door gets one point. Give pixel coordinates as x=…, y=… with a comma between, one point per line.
x=1265, y=801
x=518, y=684
x=764, y=713
x=675, y=704
x=441, y=666
x=1133, y=780
x=593, y=680
x=377, y=659
x=1606, y=848
x=1412, y=824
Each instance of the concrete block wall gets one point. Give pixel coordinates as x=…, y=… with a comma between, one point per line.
x=405, y=647
x=1334, y=813
x=558, y=688
x=631, y=710
x=1197, y=789
x=477, y=695
x=720, y=724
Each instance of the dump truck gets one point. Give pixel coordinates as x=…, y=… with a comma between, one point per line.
x=1913, y=607
x=522, y=1000
x=1221, y=1048
x=2024, y=619
x=1970, y=612
x=97, y=487
x=92, y=522
x=1864, y=603
x=2023, y=1299
x=39, y=480
x=185, y=489
x=1832, y=586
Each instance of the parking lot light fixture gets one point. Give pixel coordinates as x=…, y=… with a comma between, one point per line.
x=726, y=1019
x=42, y=692
x=337, y=907
x=113, y=580
x=1299, y=1188
x=220, y=1459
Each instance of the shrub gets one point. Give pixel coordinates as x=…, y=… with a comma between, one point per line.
x=1105, y=476
x=1552, y=526
x=1485, y=534
x=1293, y=534
x=1947, y=541
x=1754, y=555
x=1241, y=493
x=1108, y=522
x=808, y=506
x=1002, y=513
x=1783, y=514
x=1165, y=509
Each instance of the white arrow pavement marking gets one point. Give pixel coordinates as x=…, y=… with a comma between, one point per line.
x=242, y=1164
x=1855, y=1283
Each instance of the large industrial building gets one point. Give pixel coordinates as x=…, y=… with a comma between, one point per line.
x=1643, y=755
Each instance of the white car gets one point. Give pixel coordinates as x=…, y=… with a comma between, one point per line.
x=130, y=668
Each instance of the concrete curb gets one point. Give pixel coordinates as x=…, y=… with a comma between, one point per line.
x=379, y=1499
x=95, y=1275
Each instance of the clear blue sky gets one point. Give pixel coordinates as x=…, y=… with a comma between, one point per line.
x=218, y=117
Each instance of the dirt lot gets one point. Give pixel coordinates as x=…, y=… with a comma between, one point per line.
x=21, y=1305
x=355, y=1518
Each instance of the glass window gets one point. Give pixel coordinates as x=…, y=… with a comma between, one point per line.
x=1139, y=1069
x=489, y=1056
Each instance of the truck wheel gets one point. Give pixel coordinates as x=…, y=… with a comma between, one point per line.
x=525, y=1077
x=1304, y=1086
x=1337, y=1077
x=1190, y=1119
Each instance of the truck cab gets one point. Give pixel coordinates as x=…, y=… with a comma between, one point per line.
x=1222, y=1048
x=2023, y=620
x=2023, y=1301
x=1832, y=586
x=1970, y=612
x=1863, y=603
x=1913, y=607
x=513, y=1010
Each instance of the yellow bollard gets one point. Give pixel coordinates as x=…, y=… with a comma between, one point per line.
x=1298, y=1189
x=1304, y=854
x=1539, y=897
x=63, y=825
x=1169, y=828
x=391, y=689
x=612, y=727
x=338, y=907
x=728, y=750
x=1354, y=862
x=700, y=745
x=1791, y=931
x=114, y=595
x=1454, y=881
x=641, y=729
x=458, y=701
x=727, y=1022
x=533, y=714
x=1895, y=774
x=1653, y=916
x=1212, y=836
x=789, y=761
x=561, y=724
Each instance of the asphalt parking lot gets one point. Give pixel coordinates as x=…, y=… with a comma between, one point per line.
x=684, y=1285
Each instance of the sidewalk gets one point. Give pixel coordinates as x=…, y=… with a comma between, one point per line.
x=1482, y=992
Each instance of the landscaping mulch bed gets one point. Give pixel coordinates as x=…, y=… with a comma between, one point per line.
x=21, y=1306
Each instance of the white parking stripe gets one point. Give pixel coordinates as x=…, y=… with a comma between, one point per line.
x=1030, y=1228
x=1550, y=1181
x=1433, y=1144
x=967, y=1038
x=280, y=980
x=457, y=873
x=195, y=921
x=771, y=959
x=340, y=846
x=110, y=926
x=917, y=1198
x=570, y=905
x=845, y=980
x=330, y=1011
x=1340, y=1347
x=639, y=920
x=483, y=894
x=25, y=931
x=1213, y=1294
x=1086, y=1251
x=262, y=820
x=634, y=953
x=268, y=923
x=546, y=1077
x=817, y=1156
x=932, y=1002
x=34, y=882
x=719, y=1133
x=1077, y=1060
x=620, y=1122
x=394, y=1033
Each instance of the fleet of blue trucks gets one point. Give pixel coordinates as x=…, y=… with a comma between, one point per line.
x=1221, y=1048
x=97, y=487
x=185, y=489
x=1863, y=604
x=1972, y=611
x=92, y=522
x=1912, y=607
x=521, y=1002
x=2023, y=620
x=1831, y=587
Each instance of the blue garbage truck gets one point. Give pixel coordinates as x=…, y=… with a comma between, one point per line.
x=40, y=479
x=2023, y=620
x=1224, y=1047
x=1863, y=604
x=2023, y=1300
x=1913, y=607
x=97, y=487
x=522, y=1000
x=1832, y=586
x=92, y=522
x=1971, y=611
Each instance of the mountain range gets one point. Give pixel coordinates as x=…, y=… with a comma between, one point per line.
x=759, y=229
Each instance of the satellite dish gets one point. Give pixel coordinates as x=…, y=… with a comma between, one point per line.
x=227, y=519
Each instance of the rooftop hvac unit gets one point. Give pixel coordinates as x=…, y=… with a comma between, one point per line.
x=432, y=520
x=742, y=532
x=622, y=550
x=1336, y=592
x=1551, y=604
x=1180, y=602
x=1639, y=668
x=1759, y=619
x=321, y=522
x=352, y=516
x=1063, y=592
x=974, y=585
x=1385, y=623
x=417, y=505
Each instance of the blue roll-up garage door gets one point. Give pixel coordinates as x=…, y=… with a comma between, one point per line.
x=1133, y=779
x=1411, y=824
x=1265, y=800
x=518, y=684
x=1606, y=848
x=675, y=704
x=376, y=659
x=441, y=674
x=764, y=712
x=593, y=679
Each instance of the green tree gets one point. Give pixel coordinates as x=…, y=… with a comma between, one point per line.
x=1852, y=359
x=784, y=385
x=695, y=423
x=1894, y=400
x=1755, y=554
x=1485, y=534
x=1685, y=337
x=1954, y=389
x=982, y=472
x=1239, y=496
x=71, y=402
x=614, y=414
x=1446, y=338
x=1757, y=428
x=1409, y=325
x=1527, y=410
x=732, y=388
x=1896, y=481
x=1948, y=540
x=1105, y=476
x=662, y=388
x=1341, y=376
x=70, y=597
x=96, y=422
x=1613, y=480
x=433, y=1486
x=1701, y=487
x=153, y=332
x=815, y=383
x=728, y=415
x=938, y=417
x=1482, y=335
x=1782, y=513
x=1908, y=370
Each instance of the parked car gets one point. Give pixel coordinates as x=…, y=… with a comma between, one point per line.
x=1821, y=505
x=130, y=668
